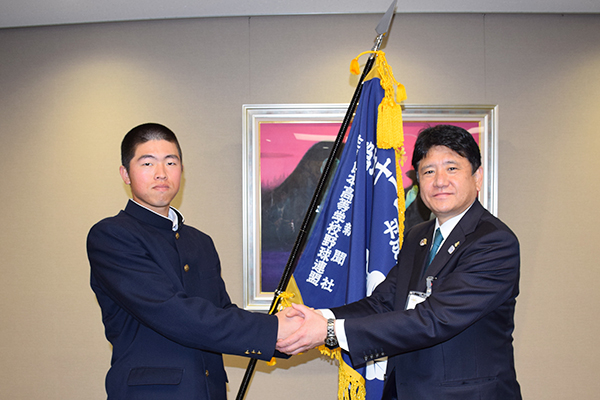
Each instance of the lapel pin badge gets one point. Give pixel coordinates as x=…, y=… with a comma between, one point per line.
x=423, y=242
x=453, y=247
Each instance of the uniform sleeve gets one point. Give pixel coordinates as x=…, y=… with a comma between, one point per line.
x=132, y=283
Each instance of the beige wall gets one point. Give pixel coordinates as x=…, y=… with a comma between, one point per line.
x=69, y=93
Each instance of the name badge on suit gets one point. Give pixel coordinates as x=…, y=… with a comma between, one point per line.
x=415, y=297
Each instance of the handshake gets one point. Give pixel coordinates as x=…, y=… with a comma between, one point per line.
x=300, y=329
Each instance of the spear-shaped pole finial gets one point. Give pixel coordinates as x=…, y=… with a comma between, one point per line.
x=384, y=25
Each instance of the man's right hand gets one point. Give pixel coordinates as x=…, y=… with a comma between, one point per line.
x=311, y=334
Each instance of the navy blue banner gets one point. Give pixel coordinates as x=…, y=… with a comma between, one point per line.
x=354, y=243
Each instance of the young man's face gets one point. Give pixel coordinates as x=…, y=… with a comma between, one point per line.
x=447, y=183
x=154, y=175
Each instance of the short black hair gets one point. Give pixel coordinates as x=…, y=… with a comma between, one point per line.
x=450, y=136
x=142, y=134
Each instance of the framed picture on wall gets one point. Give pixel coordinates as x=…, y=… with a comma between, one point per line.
x=284, y=148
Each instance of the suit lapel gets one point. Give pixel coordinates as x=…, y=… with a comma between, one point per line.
x=457, y=237
x=446, y=251
x=421, y=255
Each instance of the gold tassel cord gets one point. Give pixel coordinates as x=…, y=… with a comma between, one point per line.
x=389, y=120
x=283, y=301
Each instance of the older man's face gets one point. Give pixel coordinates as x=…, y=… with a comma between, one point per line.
x=446, y=182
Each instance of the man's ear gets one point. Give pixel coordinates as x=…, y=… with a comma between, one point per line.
x=124, y=175
x=478, y=178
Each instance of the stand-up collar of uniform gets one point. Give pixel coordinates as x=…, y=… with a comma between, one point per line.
x=148, y=216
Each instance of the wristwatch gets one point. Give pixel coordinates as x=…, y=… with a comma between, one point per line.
x=331, y=340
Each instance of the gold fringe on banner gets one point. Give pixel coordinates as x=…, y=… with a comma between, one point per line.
x=351, y=384
x=400, y=157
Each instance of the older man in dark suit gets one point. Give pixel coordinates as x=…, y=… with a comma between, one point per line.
x=445, y=314
x=158, y=282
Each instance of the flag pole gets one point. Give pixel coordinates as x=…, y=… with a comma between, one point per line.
x=309, y=217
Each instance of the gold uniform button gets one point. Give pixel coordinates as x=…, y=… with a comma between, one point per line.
x=186, y=268
x=176, y=235
x=206, y=372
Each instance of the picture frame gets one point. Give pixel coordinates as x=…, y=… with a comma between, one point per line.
x=283, y=148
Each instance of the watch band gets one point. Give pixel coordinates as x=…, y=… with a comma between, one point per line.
x=331, y=340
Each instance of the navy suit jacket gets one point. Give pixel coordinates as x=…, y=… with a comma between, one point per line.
x=457, y=344
x=166, y=311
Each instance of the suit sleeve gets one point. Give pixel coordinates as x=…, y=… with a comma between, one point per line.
x=131, y=284
x=484, y=279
